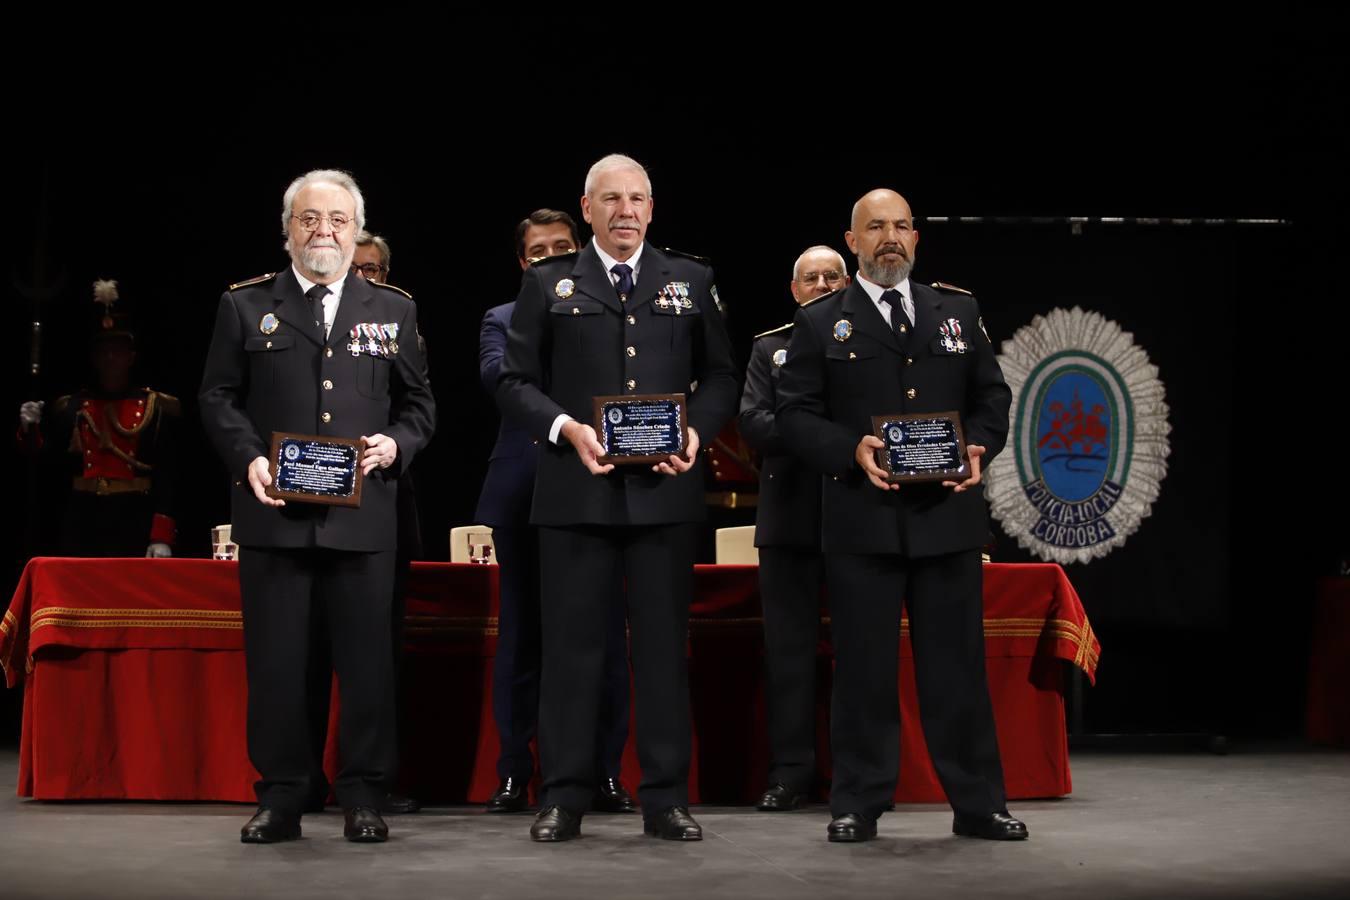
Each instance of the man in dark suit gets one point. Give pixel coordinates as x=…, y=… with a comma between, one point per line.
x=887, y=346
x=621, y=317
x=505, y=505
x=787, y=533
x=317, y=350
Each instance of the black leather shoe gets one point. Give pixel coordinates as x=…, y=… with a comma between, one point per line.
x=613, y=797
x=851, y=828
x=363, y=825
x=399, y=805
x=673, y=824
x=780, y=798
x=270, y=826
x=555, y=824
x=512, y=797
x=997, y=826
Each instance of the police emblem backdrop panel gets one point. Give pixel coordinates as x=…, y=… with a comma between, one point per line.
x=1191, y=306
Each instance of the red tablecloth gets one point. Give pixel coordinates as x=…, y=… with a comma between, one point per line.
x=133, y=681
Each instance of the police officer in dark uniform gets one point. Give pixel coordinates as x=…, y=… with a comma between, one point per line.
x=883, y=346
x=621, y=317
x=504, y=504
x=787, y=533
x=114, y=446
x=317, y=350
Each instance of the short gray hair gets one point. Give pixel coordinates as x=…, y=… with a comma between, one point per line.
x=797, y=266
x=322, y=176
x=366, y=239
x=616, y=161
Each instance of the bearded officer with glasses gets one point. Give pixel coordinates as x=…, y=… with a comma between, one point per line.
x=284, y=357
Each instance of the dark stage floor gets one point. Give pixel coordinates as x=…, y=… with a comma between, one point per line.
x=1271, y=823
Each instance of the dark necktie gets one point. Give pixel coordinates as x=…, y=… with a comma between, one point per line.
x=899, y=321
x=316, y=295
x=625, y=285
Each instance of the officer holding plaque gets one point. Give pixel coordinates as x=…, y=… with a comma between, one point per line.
x=886, y=347
x=617, y=360
x=314, y=396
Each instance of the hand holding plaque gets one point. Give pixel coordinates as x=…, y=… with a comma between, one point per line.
x=379, y=453
x=260, y=481
x=310, y=468
x=641, y=428
x=679, y=463
x=865, y=455
x=920, y=447
x=973, y=454
x=582, y=438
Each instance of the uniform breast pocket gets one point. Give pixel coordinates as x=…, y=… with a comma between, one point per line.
x=262, y=353
x=372, y=376
x=851, y=369
x=572, y=319
x=948, y=348
x=681, y=322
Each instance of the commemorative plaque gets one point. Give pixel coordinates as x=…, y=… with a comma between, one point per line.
x=310, y=468
x=922, y=447
x=640, y=428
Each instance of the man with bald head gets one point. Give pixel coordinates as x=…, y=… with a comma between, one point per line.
x=884, y=346
x=787, y=533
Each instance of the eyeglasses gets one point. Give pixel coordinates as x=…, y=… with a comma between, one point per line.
x=830, y=276
x=370, y=270
x=310, y=221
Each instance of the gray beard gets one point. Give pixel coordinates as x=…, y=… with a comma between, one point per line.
x=886, y=275
x=322, y=261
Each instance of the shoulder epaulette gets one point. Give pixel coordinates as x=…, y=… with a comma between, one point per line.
x=682, y=254
x=779, y=330
x=391, y=287
x=539, y=260
x=170, y=404
x=252, y=281
x=815, y=300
